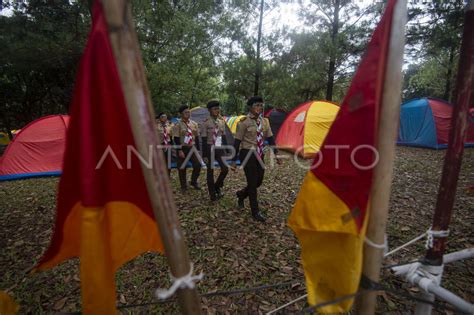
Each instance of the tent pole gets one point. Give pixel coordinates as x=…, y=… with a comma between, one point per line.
x=388, y=124
x=137, y=97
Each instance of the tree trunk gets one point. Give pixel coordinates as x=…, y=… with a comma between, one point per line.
x=258, y=67
x=332, y=57
x=90, y=5
x=8, y=129
x=447, y=88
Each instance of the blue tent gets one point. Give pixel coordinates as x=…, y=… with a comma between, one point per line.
x=425, y=122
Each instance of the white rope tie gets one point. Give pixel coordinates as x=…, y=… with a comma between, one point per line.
x=187, y=281
x=383, y=246
x=425, y=273
x=432, y=234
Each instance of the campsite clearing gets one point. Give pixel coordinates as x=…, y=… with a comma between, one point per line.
x=230, y=248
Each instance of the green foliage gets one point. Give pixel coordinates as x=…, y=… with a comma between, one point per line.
x=197, y=50
x=182, y=45
x=43, y=44
x=426, y=79
x=433, y=43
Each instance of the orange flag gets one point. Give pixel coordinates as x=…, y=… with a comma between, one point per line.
x=104, y=215
x=330, y=214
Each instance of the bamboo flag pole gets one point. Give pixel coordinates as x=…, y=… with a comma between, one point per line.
x=388, y=125
x=137, y=97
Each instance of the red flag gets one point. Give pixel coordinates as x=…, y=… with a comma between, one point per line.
x=330, y=213
x=104, y=215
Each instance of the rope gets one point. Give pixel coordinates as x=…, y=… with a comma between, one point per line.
x=367, y=285
x=216, y=293
x=383, y=246
x=312, y=308
x=432, y=234
x=428, y=274
x=187, y=281
x=287, y=304
x=408, y=296
x=399, y=264
x=406, y=244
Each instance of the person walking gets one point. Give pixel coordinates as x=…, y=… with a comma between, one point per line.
x=251, y=133
x=213, y=140
x=163, y=131
x=186, y=137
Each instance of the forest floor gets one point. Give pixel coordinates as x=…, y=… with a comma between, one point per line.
x=232, y=250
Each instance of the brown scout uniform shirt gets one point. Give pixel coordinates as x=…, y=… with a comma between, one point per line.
x=180, y=130
x=160, y=131
x=247, y=131
x=207, y=128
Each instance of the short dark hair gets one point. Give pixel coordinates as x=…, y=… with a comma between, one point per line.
x=160, y=114
x=254, y=100
x=182, y=108
x=213, y=103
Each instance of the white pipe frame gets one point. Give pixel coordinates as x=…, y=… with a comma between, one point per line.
x=428, y=280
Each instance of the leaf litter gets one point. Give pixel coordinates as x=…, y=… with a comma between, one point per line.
x=230, y=248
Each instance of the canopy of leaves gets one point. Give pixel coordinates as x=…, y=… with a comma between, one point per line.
x=42, y=45
x=197, y=50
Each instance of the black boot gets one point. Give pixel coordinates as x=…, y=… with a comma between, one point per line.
x=219, y=193
x=196, y=186
x=240, y=201
x=258, y=216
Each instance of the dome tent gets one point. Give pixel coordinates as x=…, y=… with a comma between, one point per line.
x=233, y=121
x=37, y=150
x=425, y=122
x=305, y=128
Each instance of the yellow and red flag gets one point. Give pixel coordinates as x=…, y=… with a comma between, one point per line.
x=104, y=215
x=330, y=214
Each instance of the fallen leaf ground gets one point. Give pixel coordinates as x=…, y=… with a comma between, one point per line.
x=230, y=248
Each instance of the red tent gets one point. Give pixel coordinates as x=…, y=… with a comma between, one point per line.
x=306, y=127
x=37, y=150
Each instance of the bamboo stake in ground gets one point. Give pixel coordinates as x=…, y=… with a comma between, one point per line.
x=137, y=97
x=388, y=124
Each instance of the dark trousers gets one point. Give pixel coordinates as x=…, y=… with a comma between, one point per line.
x=182, y=167
x=211, y=184
x=254, y=172
x=167, y=156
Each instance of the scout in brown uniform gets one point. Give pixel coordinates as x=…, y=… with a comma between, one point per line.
x=251, y=133
x=213, y=138
x=186, y=135
x=163, y=131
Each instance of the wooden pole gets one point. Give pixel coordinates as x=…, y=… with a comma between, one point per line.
x=388, y=127
x=452, y=163
x=137, y=97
